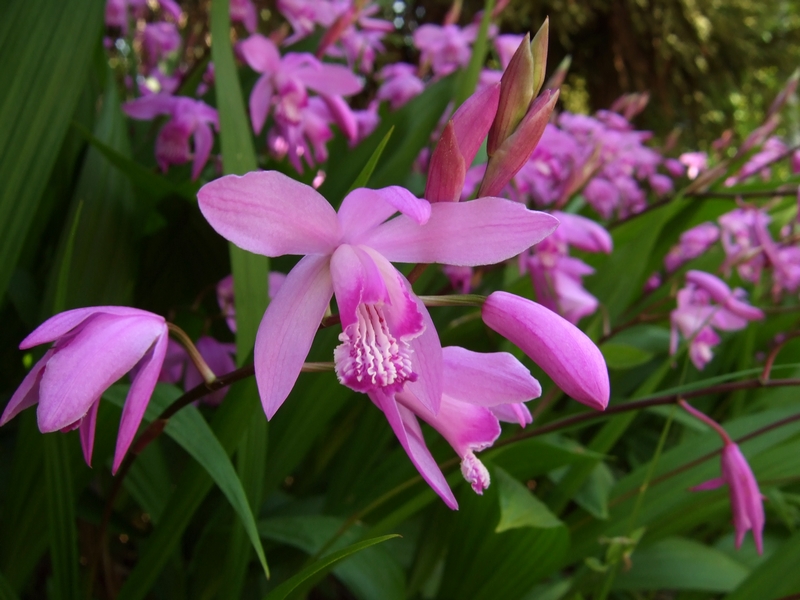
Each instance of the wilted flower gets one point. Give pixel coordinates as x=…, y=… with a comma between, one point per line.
x=93, y=348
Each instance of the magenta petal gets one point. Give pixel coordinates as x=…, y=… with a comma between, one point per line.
x=343, y=116
x=563, y=351
x=203, y=141
x=356, y=280
x=87, y=427
x=711, y=484
x=288, y=328
x=364, y=209
x=260, y=53
x=408, y=432
x=473, y=119
x=583, y=233
x=428, y=364
x=149, y=107
x=27, y=393
x=466, y=427
x=332, y=80
x=513, y=413
x=487, y=379
x=447, y=169
x=144, y=382
x=268, y=213
x=80, y=371
x=260, y=99
x=62, y=323
x=481, y=232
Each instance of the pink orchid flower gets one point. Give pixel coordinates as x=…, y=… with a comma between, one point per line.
x=695, y=162
x=388, y=340
x=244, y=12
x=305, y=15
x=189, y=117
x=159, y=40
x=400, y=84
x=218, y=356
x=564, y=352
x=446, y=48
x=93, y=348
x=746, y=499
x=692, y=243
x=478, y=390
x=284, y=82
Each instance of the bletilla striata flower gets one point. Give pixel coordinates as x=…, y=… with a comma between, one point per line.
x=93, y=348
x=188, y=118
x=388, y=340
x=746, y=500
x=479, y=391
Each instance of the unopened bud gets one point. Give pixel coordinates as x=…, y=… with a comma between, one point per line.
x=447, y=169
x=516, y=92
x=558, y=76
x=539, y=53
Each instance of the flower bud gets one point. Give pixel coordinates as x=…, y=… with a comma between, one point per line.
x=516, y=93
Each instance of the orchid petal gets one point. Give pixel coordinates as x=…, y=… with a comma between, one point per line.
x=86, y=430
x=259, y=103
x=583, y=233
x=59, y=325
x=563, y=351
x=260, y=54
x=149, y=107
x=103, y=350
x=268, y=213
x=288, y=328
x=356, y=280
x=364, y=209
x=203, y=142
x=481, y=232
x=447, y=169
x=513, y=413
x=328, y=79
x=408, y=432
x=144, y=382
x=487, y=379
x=27, y=393
x=471, y=122
x=343, y=116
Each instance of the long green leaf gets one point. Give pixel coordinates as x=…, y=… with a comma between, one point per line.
x=284, y=589
x=238, y=157
x=61, y=517
x=241, y=404
x=6, y=591
x=190, y=430
x=40, y=84
x=363, y=177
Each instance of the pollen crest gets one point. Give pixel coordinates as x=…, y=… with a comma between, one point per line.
x=370, y=357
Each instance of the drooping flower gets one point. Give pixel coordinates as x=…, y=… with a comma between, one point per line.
x=478, y=391
x=564, y=352
x=93, y=348
x=305, y=15
x=158, y=41
x=746, y=499
x=244, y=12
x=188, y=118
x=389, y=343
x=744, y=231
x=399, y=84
x=446, y=48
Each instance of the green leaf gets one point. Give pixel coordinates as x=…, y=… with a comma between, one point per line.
x=363, y=178
x=373, y=574
x=6, y=591
x=61, y=516
x=284, y=589
x=681, y=564
x=154, y=186
x=190, y=430
x=593, y=496
x=240, y=406
x=40, y=85
x=518, y=507
x=624, y=356
x=250, y=271
x=469, y=77
x=59, y=303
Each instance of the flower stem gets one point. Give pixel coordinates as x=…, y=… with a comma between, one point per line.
x=454, y=300
x=194, y=354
